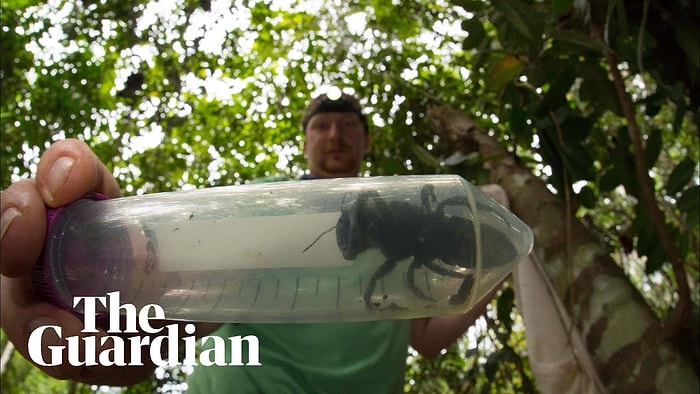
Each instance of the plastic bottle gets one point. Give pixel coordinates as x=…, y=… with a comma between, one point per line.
x=345, y=249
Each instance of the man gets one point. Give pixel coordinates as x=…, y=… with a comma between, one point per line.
x=336, y=136
x=328, y=357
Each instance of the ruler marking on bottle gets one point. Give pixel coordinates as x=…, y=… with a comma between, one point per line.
x=427, y=284
x=337, y=293
x=277, y=288
x=206, y=290
x=189, y=294
x=318, y=281
x=296, y=291
x=257, y=293
x=221, y=295
x=161, y=292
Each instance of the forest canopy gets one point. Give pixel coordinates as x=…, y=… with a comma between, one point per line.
x=599, y=100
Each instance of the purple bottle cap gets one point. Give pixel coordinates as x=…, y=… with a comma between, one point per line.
x=80, y=269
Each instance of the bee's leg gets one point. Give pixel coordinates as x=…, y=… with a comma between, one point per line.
x=427, y=194
x=444, y=271
x=382, y=271
x=457, y=200
x=462, y=294
x=411, y=280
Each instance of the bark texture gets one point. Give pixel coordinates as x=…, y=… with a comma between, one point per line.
x=620, y=330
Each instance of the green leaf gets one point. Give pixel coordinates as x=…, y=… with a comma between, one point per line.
x=646, y=236
x=560, y=86
x=652, y=110
x=586, y=197
x=653, y=103
x=689, y=204
x=578, y=161
x=624, y=162
x=509, y=9
x=576, y=129
x=578, y=39
x=561, y=6
x=680, y=176
x=476, y=31
x=653, y=147
x=390, y=166
x=9, y=5
x=425, y=157
x=679, y=116
x=470, y=5
x=655, y=259
x=597, y=89
x=687, y=33
x=609, y=180
x=503, y=70
x=519, y=127
x=690, y=199
x=505, y=306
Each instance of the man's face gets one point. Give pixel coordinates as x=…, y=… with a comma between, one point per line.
x=335, y=144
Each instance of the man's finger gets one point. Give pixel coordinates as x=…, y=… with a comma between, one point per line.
x=23, y=228
x=68, y=170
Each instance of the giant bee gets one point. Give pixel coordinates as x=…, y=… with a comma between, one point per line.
x=401, y=230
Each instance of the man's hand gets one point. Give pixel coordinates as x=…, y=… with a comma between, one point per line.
x=67, y=171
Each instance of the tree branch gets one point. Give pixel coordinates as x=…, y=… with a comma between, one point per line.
x=677, y=318
x=609, y=344
x=6, y=355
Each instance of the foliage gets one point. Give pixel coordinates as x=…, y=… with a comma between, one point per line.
x=491, y=359
x=188, y=94
x=20, y=376
x=564, y=105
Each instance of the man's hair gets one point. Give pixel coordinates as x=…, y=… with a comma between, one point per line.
x=345, y=103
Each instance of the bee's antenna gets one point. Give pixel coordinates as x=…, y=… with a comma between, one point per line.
x=319, y=237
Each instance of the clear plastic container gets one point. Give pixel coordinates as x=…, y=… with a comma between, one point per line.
x=346, y=249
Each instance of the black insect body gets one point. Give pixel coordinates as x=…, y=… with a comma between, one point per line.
x=401, y=230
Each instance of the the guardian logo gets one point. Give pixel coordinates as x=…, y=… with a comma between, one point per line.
x=126, y=350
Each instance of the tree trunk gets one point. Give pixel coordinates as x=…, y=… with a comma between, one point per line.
x=619, y=328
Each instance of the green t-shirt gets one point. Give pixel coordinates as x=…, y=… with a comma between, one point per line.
x=355, y=357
